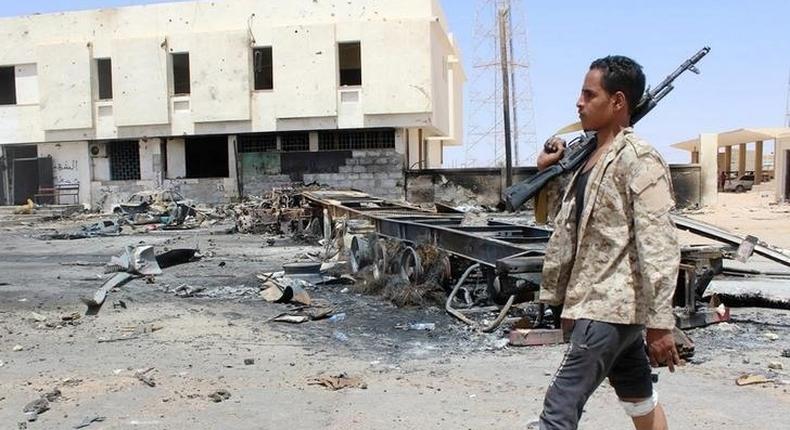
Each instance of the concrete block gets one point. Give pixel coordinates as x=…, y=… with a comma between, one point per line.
x=389, y=183
x=366, y=175
x=345, y=169
x=358, y=169
x=365, y=161
x=382, y=161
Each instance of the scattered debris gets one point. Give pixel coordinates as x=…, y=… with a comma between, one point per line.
x=38, y=317
x=95, y=303
x=249, y=361
x=219, y=396
x=337, y=317
x=102, y=228
x=752, y=380
x=311, y=268
x=132, y=263
x=283, y=291
x=71, y=317
x=771, y=336
x=292, y=319
x=185, y=290
x=52, y=395
x=18, y=348
x=87, y=421
x=775, y=365
x=534, y=337
x=786, y=353
x=417, y=326
x=142, y=375
x=338, y=382
x=36, y=407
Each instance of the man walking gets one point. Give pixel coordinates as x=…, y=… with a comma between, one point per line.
x=613, y=258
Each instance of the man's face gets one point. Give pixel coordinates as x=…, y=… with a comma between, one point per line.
x=596, y=106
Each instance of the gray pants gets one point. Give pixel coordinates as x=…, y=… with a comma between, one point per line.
x=597, y=350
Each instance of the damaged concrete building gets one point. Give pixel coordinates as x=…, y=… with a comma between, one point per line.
x=219, y=100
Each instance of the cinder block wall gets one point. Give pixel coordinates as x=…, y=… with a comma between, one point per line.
x=377, y=172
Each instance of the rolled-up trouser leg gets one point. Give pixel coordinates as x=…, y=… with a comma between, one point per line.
x=593, y=350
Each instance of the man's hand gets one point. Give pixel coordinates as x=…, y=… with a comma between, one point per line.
x=661, y=348
x=552, y=152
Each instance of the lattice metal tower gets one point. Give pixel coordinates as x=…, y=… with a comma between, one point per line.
x=484, y=143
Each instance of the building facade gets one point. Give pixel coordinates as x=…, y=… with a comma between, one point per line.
x=226, y=98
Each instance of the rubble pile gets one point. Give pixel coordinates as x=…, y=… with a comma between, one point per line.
x=163, y=209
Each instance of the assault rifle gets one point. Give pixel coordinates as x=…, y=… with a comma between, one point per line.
x=580, y=148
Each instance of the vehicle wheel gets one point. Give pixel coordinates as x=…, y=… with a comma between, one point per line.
x=739, y=189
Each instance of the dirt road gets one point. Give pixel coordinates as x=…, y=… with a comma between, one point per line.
x=448, y=378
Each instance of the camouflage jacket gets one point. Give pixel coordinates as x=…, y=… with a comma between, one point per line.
x=621, y=264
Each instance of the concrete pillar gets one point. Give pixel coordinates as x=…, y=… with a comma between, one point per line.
x=313, y=141
x=758, y=162
x=694, y=157
x=727, y=158
x=741, y=159
x=708, y=160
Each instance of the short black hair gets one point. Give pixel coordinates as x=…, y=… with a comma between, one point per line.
x=621, y=73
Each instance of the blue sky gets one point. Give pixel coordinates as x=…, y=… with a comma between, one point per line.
x=744, y=79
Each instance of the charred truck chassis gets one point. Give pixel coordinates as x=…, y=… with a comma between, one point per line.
x=510, y=256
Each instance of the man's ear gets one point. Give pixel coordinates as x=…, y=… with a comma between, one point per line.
x=620, y=101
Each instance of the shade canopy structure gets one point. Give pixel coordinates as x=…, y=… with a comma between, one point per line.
x=737, y=137
x=705, y=152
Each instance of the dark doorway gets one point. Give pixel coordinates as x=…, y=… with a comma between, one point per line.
x=22, y=164
x=207, y=157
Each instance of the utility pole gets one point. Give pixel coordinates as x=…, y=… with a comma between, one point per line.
x=513, y=80
x=485, y=122
x=504, y=14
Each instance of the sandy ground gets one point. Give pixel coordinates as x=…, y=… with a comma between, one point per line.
x=753, y=213
x=448, y=378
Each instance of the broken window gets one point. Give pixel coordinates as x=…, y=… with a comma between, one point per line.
x=356, y=139
x=104, y=69
x=7, y=86
x=181, y=74
x=257, y=142
x=295, y=142
x=206, y=157
x=262, y=68
x=124, y=160
x=350, y=62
